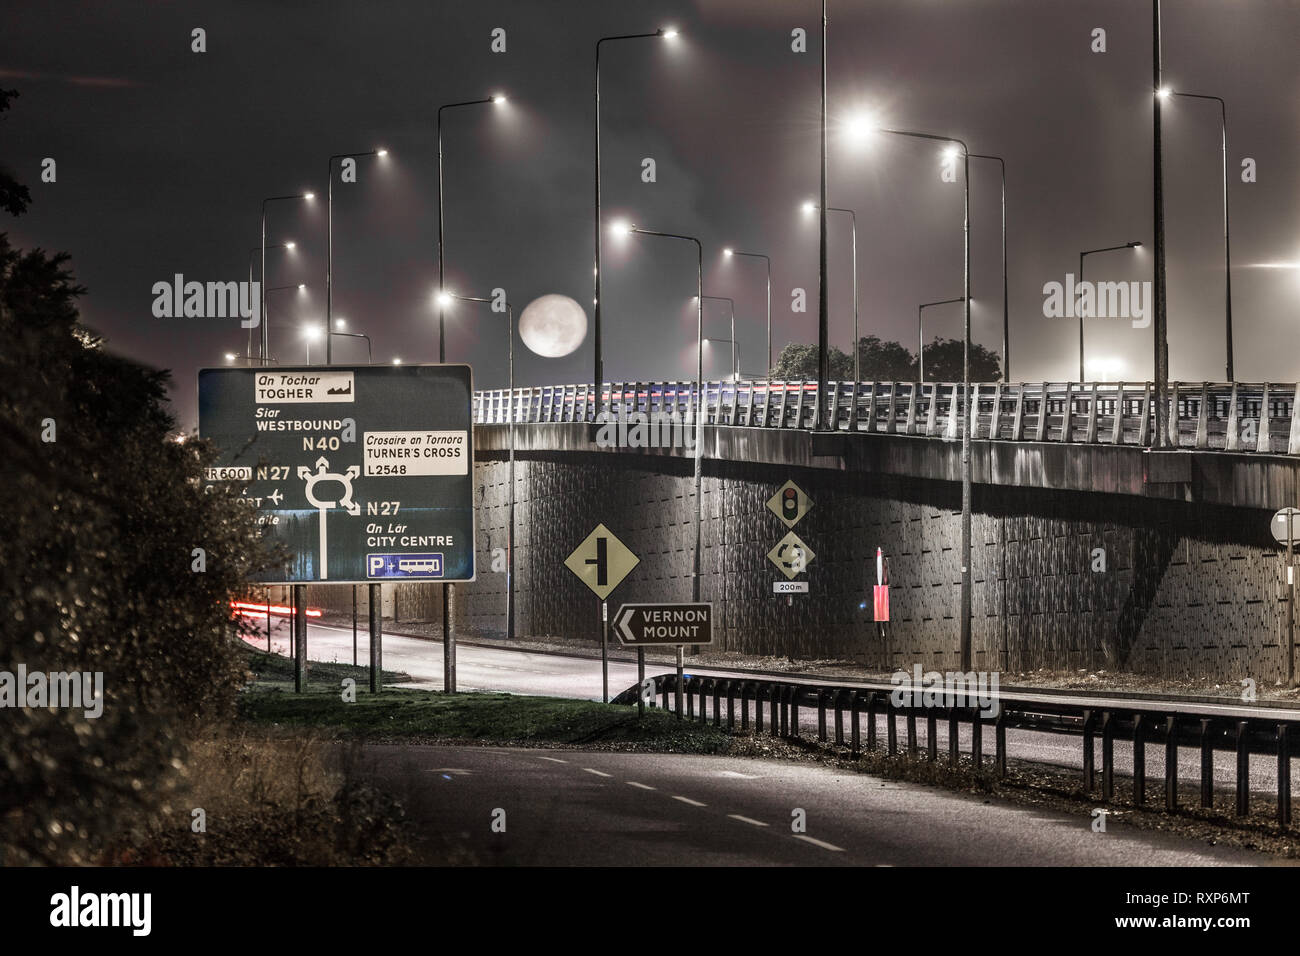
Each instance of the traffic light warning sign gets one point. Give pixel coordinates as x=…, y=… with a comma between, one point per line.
x=789, y=504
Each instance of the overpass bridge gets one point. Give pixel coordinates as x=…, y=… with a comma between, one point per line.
x=1093, y=547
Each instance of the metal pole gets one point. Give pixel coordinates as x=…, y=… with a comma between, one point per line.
x=354, y=625
x=640, y=681
x=1227, y=247
x=680, y=669
x=262, y=288
x=268, y=620
x=823, y=300
x=604, y=651
x=920, y=338
x=300, y=637
x=1290, y=601
x=329, y=263
x=376, y=614
x=1161, y=331
x=857, y=350
x=510, y=516
x=965, y=428
x=1080, y=308
x=768, y=371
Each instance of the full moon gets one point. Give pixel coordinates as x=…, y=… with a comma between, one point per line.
x=553, y=325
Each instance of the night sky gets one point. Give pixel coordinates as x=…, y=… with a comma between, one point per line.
x=164, y=155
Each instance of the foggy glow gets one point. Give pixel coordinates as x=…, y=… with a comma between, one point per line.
x=620, y=227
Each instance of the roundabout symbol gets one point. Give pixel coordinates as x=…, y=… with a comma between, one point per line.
x=344, y=501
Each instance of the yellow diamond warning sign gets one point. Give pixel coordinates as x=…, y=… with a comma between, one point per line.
x=791, y=555
x=602, y=561
x=789, y=504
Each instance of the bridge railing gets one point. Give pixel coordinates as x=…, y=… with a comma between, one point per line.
x=1260, y=418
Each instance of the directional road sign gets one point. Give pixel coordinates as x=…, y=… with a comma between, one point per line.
x=791, y=555
x=789, y=504
x=1286, y=525
x=602, y=561
x=364, y=473
x=642, y=625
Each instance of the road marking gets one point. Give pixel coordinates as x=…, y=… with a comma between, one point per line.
x=598, y=773
x=694, y=803
x=554, y=759
x=737, y=774
x=825, y=846
x=737, y=816
x=639, y=786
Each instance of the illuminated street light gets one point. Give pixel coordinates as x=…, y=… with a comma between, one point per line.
x=252, y=254
x=1127, y=245
x=810, y=206
x=329, y=256
x=758, y=255
x=262, y=314
x=397, y=361
x=598, y=358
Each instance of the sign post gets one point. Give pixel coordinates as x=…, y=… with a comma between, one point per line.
x=363, y=473
x=602, y=562
x=650, y=625
x=1284, y=527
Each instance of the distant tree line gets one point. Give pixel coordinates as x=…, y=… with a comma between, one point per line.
x=881, y=361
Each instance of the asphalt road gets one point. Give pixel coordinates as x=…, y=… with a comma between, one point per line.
x=593, y=808
x=481, y=668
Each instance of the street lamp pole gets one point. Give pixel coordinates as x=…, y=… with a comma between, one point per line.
x=262, y=304
x=1006, y=320
x=699, y=425
x=768, y=261
x=1161, y=330
x=510, y=440
x=248, y=350
x=731, y=305
x=1227, y=243
x=599, y=372
x=920, y=330
x=1127, y=245
x=823, y=299
x=965, y=649
x=329, y=242
x=448, y=590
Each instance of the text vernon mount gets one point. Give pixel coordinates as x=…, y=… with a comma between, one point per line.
x=363, y=472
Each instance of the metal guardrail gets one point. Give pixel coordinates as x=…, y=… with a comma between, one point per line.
x=1144, y=725
x=1261, y=418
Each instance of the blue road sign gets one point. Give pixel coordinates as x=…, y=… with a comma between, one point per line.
x=346, y=464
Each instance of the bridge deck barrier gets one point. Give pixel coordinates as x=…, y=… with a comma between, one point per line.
x=1259, y=418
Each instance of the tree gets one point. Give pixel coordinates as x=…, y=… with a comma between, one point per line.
x=943, y=362
x=885, y=361
x=97, y=544
x=799, y=362
x=14, y=196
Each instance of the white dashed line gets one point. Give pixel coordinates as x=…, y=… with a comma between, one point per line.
x=598, y=773
x=639, y=786
x=752, y=822
x=825, y=846
x=554, y=759
x=694, y=803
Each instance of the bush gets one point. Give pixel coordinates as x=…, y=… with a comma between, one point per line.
x=104, y=509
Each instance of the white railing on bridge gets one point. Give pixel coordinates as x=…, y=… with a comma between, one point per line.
x=1261, y=418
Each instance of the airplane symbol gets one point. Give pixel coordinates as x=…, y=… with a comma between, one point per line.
x=275, y=497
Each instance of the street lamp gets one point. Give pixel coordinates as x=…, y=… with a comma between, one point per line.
x=920, y=330
x=310, y=334
x=853, y=219
x=965, y=377
x=497, y=99
x=699, y=422
x=329, y=257
x=449, y=590
x=307, y=196
x=1127, y=245
x=1165, y=93
x=666, y=33
x=1006, y=320
x=731, y=306
x=510, y=424
x=758, y=255
x=252, y=253
x=735, y=369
